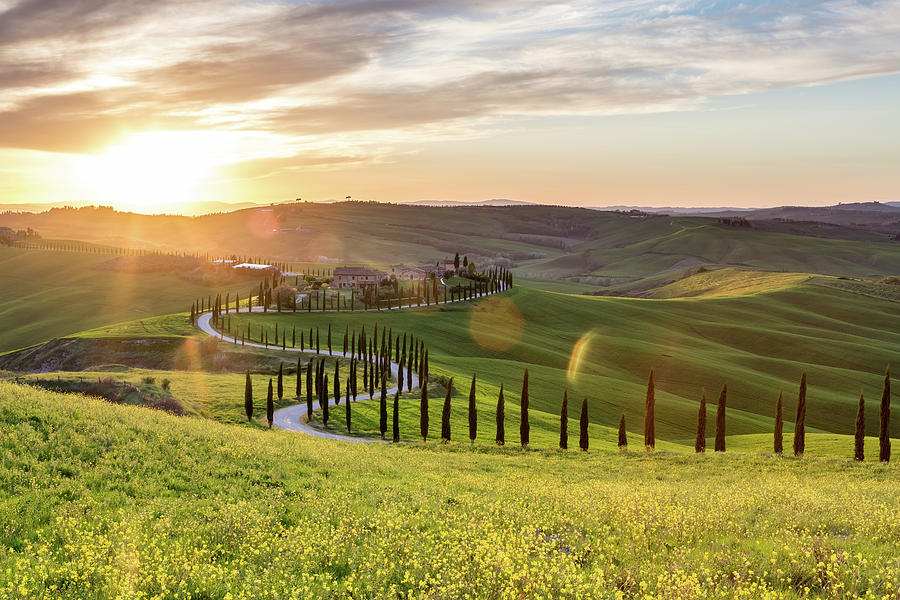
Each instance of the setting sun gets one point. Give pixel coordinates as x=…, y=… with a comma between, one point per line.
x=156, y=171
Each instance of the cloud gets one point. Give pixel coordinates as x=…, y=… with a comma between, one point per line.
x=78, y=73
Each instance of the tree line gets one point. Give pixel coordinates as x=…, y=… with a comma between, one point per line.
x=649, y=434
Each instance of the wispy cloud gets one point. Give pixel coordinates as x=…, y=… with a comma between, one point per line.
x=78, y=73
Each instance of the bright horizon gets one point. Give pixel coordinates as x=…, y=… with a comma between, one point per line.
x=155, y=106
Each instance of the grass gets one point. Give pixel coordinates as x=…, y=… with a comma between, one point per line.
x=46, y=294
x=602, y=348
x=102, y=501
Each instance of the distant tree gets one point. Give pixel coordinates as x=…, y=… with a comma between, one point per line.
x=382, y=413
x=423, y=411
x=720, y=421
x=884, y=430
x=299, y=389
x=395, y=424
x=700, y=442
x=329, y=339
x=623, y=435
x=456, y=262
x=800, y=425
x=473, y=413
x=524, y=426
x=317, y=340
x=778, y=446
x=270, y=406
x=280, y=381
x=564, y=421
x=501, y=416
x=248, y=397
x=649, y=415
x=309, y=389
x=445, y=414
x=583, y=423
x=324, y=400
x=347, y=406
x=466, y=261
x=859, y=439
x=337, y=381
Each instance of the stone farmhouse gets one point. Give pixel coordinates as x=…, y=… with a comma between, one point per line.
x=356, y=277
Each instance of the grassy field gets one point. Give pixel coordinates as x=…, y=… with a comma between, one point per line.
x=603, y=348
x=102, y=501
x=46, y=294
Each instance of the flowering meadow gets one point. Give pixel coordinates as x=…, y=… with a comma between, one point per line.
x=103, y=501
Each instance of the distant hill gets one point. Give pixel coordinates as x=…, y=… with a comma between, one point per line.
x=492, y=202
x=676, y=210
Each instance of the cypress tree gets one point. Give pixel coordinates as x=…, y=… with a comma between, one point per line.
x=445, y=414
x=294, y=336
x=317, y=340
x=473, y=413
x=700, y=442
x=324, y=393
x=347, y=406
x=309, y=390
x=299, y=384
x=423, y=412
x=800, y=426
x=583, y=438
x=337, y=381
x=859, y=439
x=329, y=339
x=501, y=417
x=270, y=406
x=400, y=374
x=720, y=421
x=564, y=421
x=280, y=381
x=650, y=416
x=248, y=398
x=524, y=426
x=623, y=435
x=395, y=425
x=337, y=388
x=884, y=430
x=779, y=427
x=382, y=414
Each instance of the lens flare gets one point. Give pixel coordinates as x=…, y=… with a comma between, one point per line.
x=579, y=351
x=496, y=323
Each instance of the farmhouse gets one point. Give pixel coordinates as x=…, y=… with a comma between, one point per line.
x=404, y=273
x=356, y=277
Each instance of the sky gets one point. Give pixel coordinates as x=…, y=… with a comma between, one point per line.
x=150, y=105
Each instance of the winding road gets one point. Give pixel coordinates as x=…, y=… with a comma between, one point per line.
x=294, y=417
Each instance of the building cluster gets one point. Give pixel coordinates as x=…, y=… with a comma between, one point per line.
x=362, y=277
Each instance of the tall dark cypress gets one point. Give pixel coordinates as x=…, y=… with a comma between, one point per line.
x=324, y=393
x=720, y=420
x=583, y=423
x=382, y=413
x=623, y=435
x=473, y=413
x=524, y=426
x=337, y=381
x=564, y=421
x=299, y=374
x=501, y=419
x=347, y=406
x=248, y=398
x=445, y=414
x=400, y=374
x=395, y=424
x=423, y=412
x=317, y=340
x=650, y=415
x=800, y=425
x=700, y=442
x=309, y=390
x=859, y=438
x=280, y=381
x=270, y=405
x=778, y=446
x=329, y=339
x=884, y=429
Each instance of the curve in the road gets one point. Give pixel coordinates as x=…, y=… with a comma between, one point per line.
x=294, y=417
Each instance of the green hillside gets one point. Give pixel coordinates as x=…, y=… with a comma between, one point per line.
x=103, y=501
x=603, y=348
x=46, y=294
